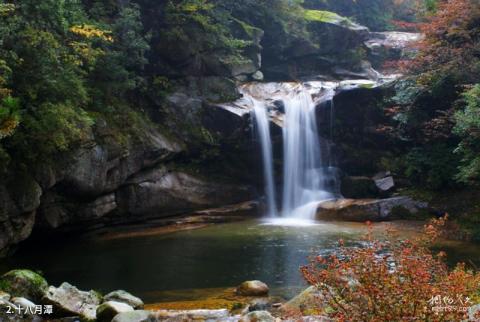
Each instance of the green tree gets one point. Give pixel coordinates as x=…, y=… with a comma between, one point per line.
x=468, y=128
x=121, y=69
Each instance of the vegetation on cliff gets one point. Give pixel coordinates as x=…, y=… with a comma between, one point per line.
x=64, y=65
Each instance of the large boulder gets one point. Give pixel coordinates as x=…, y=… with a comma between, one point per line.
x=361, y=210
x=67, y=300
x=124, y=297
x=100, y=168
x=253, y=288
x=24, y=283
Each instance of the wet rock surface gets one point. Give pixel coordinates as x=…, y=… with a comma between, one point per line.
x=253, y=288
x=108, y=310
x=361, y=210
x=124, y=297
x=68, y=300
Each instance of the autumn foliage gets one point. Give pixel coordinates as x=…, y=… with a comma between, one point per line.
x=393, y=280
x=451, y=42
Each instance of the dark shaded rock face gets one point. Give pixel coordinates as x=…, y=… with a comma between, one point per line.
x=359, y=119
x=323, y=55
x=162, y=191
x=154, y=175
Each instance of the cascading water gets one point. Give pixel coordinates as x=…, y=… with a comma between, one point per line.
x=304, y=171
x=307, y=174
x=259, y=113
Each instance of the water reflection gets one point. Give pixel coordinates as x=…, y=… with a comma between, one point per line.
x=213, y=257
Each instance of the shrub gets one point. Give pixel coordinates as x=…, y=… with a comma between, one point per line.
x=393, y=280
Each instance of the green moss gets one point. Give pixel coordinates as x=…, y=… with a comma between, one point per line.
x=24, y=283
x=327, y=17
x=367, y=86
x=322, y=16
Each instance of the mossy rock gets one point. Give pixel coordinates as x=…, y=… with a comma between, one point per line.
x=24, y=283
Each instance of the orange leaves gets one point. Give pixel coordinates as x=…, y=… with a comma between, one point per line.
x=392, y=280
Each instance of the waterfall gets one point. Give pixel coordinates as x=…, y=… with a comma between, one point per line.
x=307, y=172
x=259, y=114
x=304, y=170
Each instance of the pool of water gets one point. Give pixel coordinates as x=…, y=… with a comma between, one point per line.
x=217, y=256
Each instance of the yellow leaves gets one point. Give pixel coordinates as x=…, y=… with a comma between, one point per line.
x=87, y=53
x=90, y=31
x=85, y=50
x=8, y=126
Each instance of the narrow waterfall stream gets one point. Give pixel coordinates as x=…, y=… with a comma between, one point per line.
x=307, y=173
x=262, y=127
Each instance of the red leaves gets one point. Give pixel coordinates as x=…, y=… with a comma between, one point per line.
x=450, y=42
x=390, y=280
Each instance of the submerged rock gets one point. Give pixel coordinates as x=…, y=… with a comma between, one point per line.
x=257, y=316
x=108, y=310
x=124, y=297
x=68, y=300
x=24, y=283
x=252, y=288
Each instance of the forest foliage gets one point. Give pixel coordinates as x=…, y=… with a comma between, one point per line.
x=439, y=112
x=62, y=64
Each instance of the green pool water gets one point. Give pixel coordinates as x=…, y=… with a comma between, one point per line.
x=217, y=256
